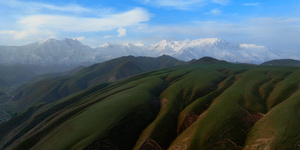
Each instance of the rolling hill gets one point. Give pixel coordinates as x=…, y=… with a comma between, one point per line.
x=282, y=62
x=200, y=105
x=44, y=89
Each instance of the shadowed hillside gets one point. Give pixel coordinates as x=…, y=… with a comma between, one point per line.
x=196, y=106
x=282, y=62
x=14, y=75
x=47, y=89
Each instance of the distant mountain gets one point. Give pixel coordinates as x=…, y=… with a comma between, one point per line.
x=110, y=51
x=56, y=74
x=44, y=89
x=48, y=53
x=282, y=62
x=14, y=75
x=213, y=47
x=68, y=53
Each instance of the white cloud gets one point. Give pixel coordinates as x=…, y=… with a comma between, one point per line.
x=177, y=4
x=42, y=26
x=215, y=12
x=276, y=33
x=122, y=32
x=81, y=38
x=23, y=34
x=69, y=8
x=139, y=44
x=82, y=24
x=11, y=32
x=184, y=4
x=222, y=2
x=252, y=4
x=34, y=6
x=108, y=36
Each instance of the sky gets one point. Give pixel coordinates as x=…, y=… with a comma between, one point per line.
x=272, y=23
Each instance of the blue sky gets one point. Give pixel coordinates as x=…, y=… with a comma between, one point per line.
x=273, y=23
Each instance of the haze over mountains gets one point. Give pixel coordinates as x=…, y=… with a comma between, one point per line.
x=58, y=86
x=71, y=53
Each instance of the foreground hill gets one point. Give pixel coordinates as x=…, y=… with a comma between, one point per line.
x=282, y=62
x=196, y=106
x=51, y=89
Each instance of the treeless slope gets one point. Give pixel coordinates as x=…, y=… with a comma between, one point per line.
x=197, y=106
x=51, y=89
x=282, y=62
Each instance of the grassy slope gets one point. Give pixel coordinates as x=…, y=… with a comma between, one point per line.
x=140, y=99
x=196, y=106
x=279, y=129
x=282, y=62
x=49, y=90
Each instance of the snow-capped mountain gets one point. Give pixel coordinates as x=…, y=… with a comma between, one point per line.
x=213, y=47
x=71, y=52
x=49, y=52
x=110, y=51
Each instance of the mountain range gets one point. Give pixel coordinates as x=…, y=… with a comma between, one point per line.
x=70, y=53
x=201, y=104
x=117, y=97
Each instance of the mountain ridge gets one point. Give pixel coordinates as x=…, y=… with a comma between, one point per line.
x=57, y=86
x=73, y=53
x=282, y=62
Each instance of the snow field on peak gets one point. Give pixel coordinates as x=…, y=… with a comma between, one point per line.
x=72, y=52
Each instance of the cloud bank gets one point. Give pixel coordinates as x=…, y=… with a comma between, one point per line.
x=42, y=26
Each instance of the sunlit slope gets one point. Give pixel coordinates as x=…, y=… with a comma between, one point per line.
x=203, y=105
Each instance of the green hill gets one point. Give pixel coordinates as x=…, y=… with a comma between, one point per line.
x=194, y=106
x=50, y=87
x=282, y=62
x=207, y=60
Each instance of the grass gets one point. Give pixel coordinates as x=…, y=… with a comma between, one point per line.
x=53, y=88
x=231, y=106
